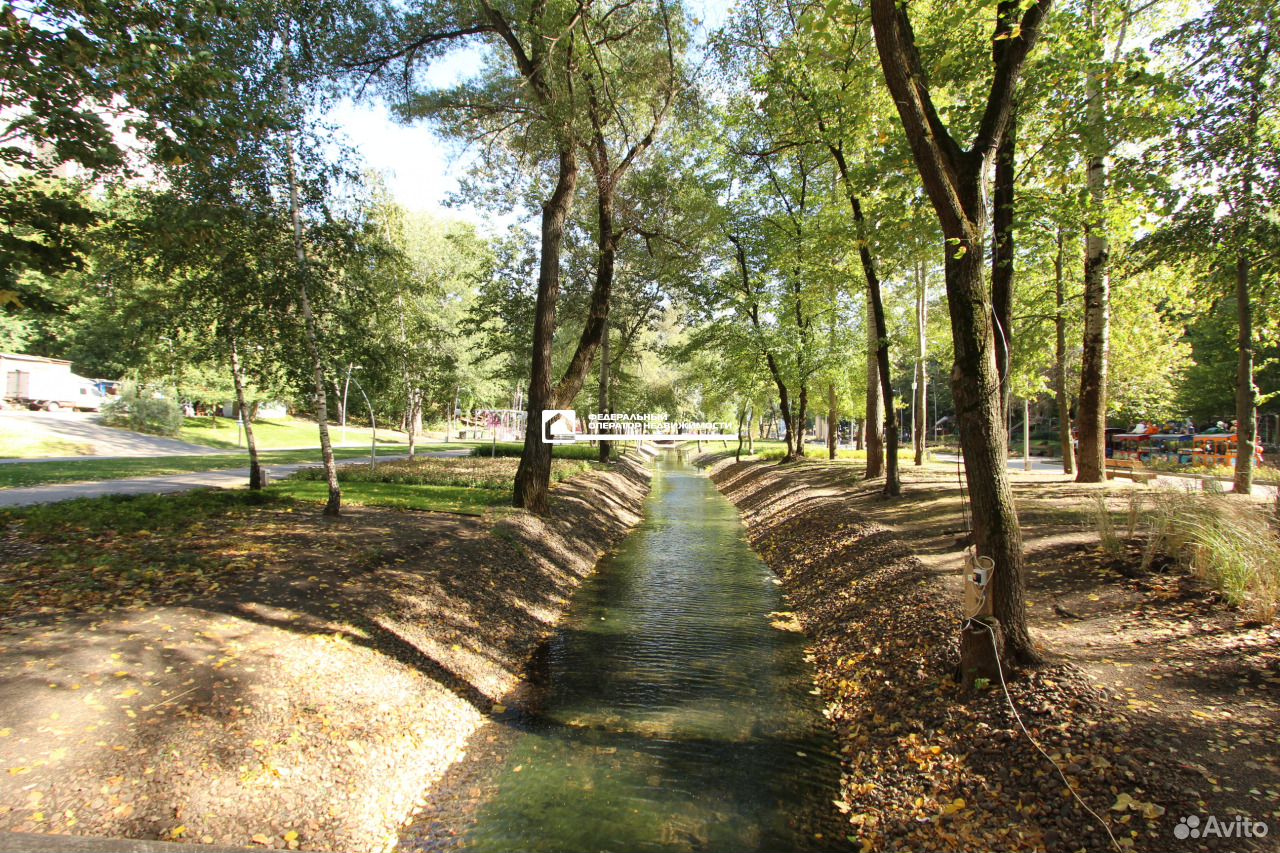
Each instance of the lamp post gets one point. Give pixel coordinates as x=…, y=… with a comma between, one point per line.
x=345, y=387
x=373, y=422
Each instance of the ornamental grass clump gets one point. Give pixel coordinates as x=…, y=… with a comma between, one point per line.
x=1233, y=545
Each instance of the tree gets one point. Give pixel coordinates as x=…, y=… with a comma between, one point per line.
x=953, y=178
x=1230, y=145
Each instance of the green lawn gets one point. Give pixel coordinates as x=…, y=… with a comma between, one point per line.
x=277, y=433
x=16, y=474
x=467, y=500
x=19, y=441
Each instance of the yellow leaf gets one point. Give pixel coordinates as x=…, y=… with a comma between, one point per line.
x=291, y=835
x=127, y=693
x=499, y=708
x=177, y=832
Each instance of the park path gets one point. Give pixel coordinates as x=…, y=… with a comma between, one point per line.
x=1053, y=467
x=230, y=478
x=85, y=430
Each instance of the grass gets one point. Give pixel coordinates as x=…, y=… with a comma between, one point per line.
x=460, y=499
x=776, y=450
x=18, y=445
x=18, y=474
x=465, y=485
x=99, y=552
x=509, y=449
x=276, y=434
x=1230, y=544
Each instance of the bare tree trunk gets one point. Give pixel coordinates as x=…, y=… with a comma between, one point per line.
x=833, y=424
x=892, y=483
x=800, y=418
x=1060, y=366
x=533, y=477
x=953, y=174
x=334, y=505
x=874, y=421
x=920, y=428
x=742, y=412
x=412, y=418
x=1092, y=408
x=604, y=385
x=1246, y=393
x=256, y=480
x=1002, y=257
x=751, y=445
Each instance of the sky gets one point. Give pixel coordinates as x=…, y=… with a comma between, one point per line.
x=421, y=168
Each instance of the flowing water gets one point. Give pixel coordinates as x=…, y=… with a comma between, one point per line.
x=676, y=717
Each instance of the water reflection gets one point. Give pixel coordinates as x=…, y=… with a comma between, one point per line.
x=676, y=718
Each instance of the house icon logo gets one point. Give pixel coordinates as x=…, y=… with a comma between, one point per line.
x=559, y=426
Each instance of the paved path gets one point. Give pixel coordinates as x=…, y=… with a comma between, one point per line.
x=231, y=478
x=84, y=429
x=1042, y=466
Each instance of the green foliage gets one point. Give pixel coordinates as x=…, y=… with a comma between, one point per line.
x=514, y=449
x=143, y=411
x=1231, y=545
x=125, y=514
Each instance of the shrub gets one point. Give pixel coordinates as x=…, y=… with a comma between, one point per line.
x=1227, y=542
x=141, y=413
x=469, y=472
x=1107, y=537
x=514, y=448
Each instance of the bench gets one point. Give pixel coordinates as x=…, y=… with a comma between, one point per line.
x=1128, y=468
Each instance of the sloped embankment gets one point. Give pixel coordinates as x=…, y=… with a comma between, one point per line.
x=925, y=767
x=311, y=696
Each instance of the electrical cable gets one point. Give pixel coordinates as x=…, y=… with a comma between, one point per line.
x=971, y=619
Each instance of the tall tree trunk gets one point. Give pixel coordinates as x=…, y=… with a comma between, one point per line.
x=256, y=480
x=593, y=332
x=334, y=505
x=874, y=421
x=742, y=413
x=1002, y=256
x=413, y=419
x=751, y=444
x=833, y=423
x=799, y=421
x=975, y=387
x=1092, y=408
x=920, y=428
x=604, y=385
x=533, y=477
x=1063, y=399
x=892, y=483
x=1246, y=393
x=953, y=175
x=752, y=310
x=920, y=425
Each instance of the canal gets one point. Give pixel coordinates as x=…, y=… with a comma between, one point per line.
x=677, y=713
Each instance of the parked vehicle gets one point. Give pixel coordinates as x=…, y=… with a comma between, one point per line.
x=47, y=383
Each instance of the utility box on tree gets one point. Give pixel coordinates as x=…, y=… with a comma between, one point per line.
x=981, y=641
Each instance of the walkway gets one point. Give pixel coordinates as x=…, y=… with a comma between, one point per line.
x=231, y=478
x=1053, y=467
